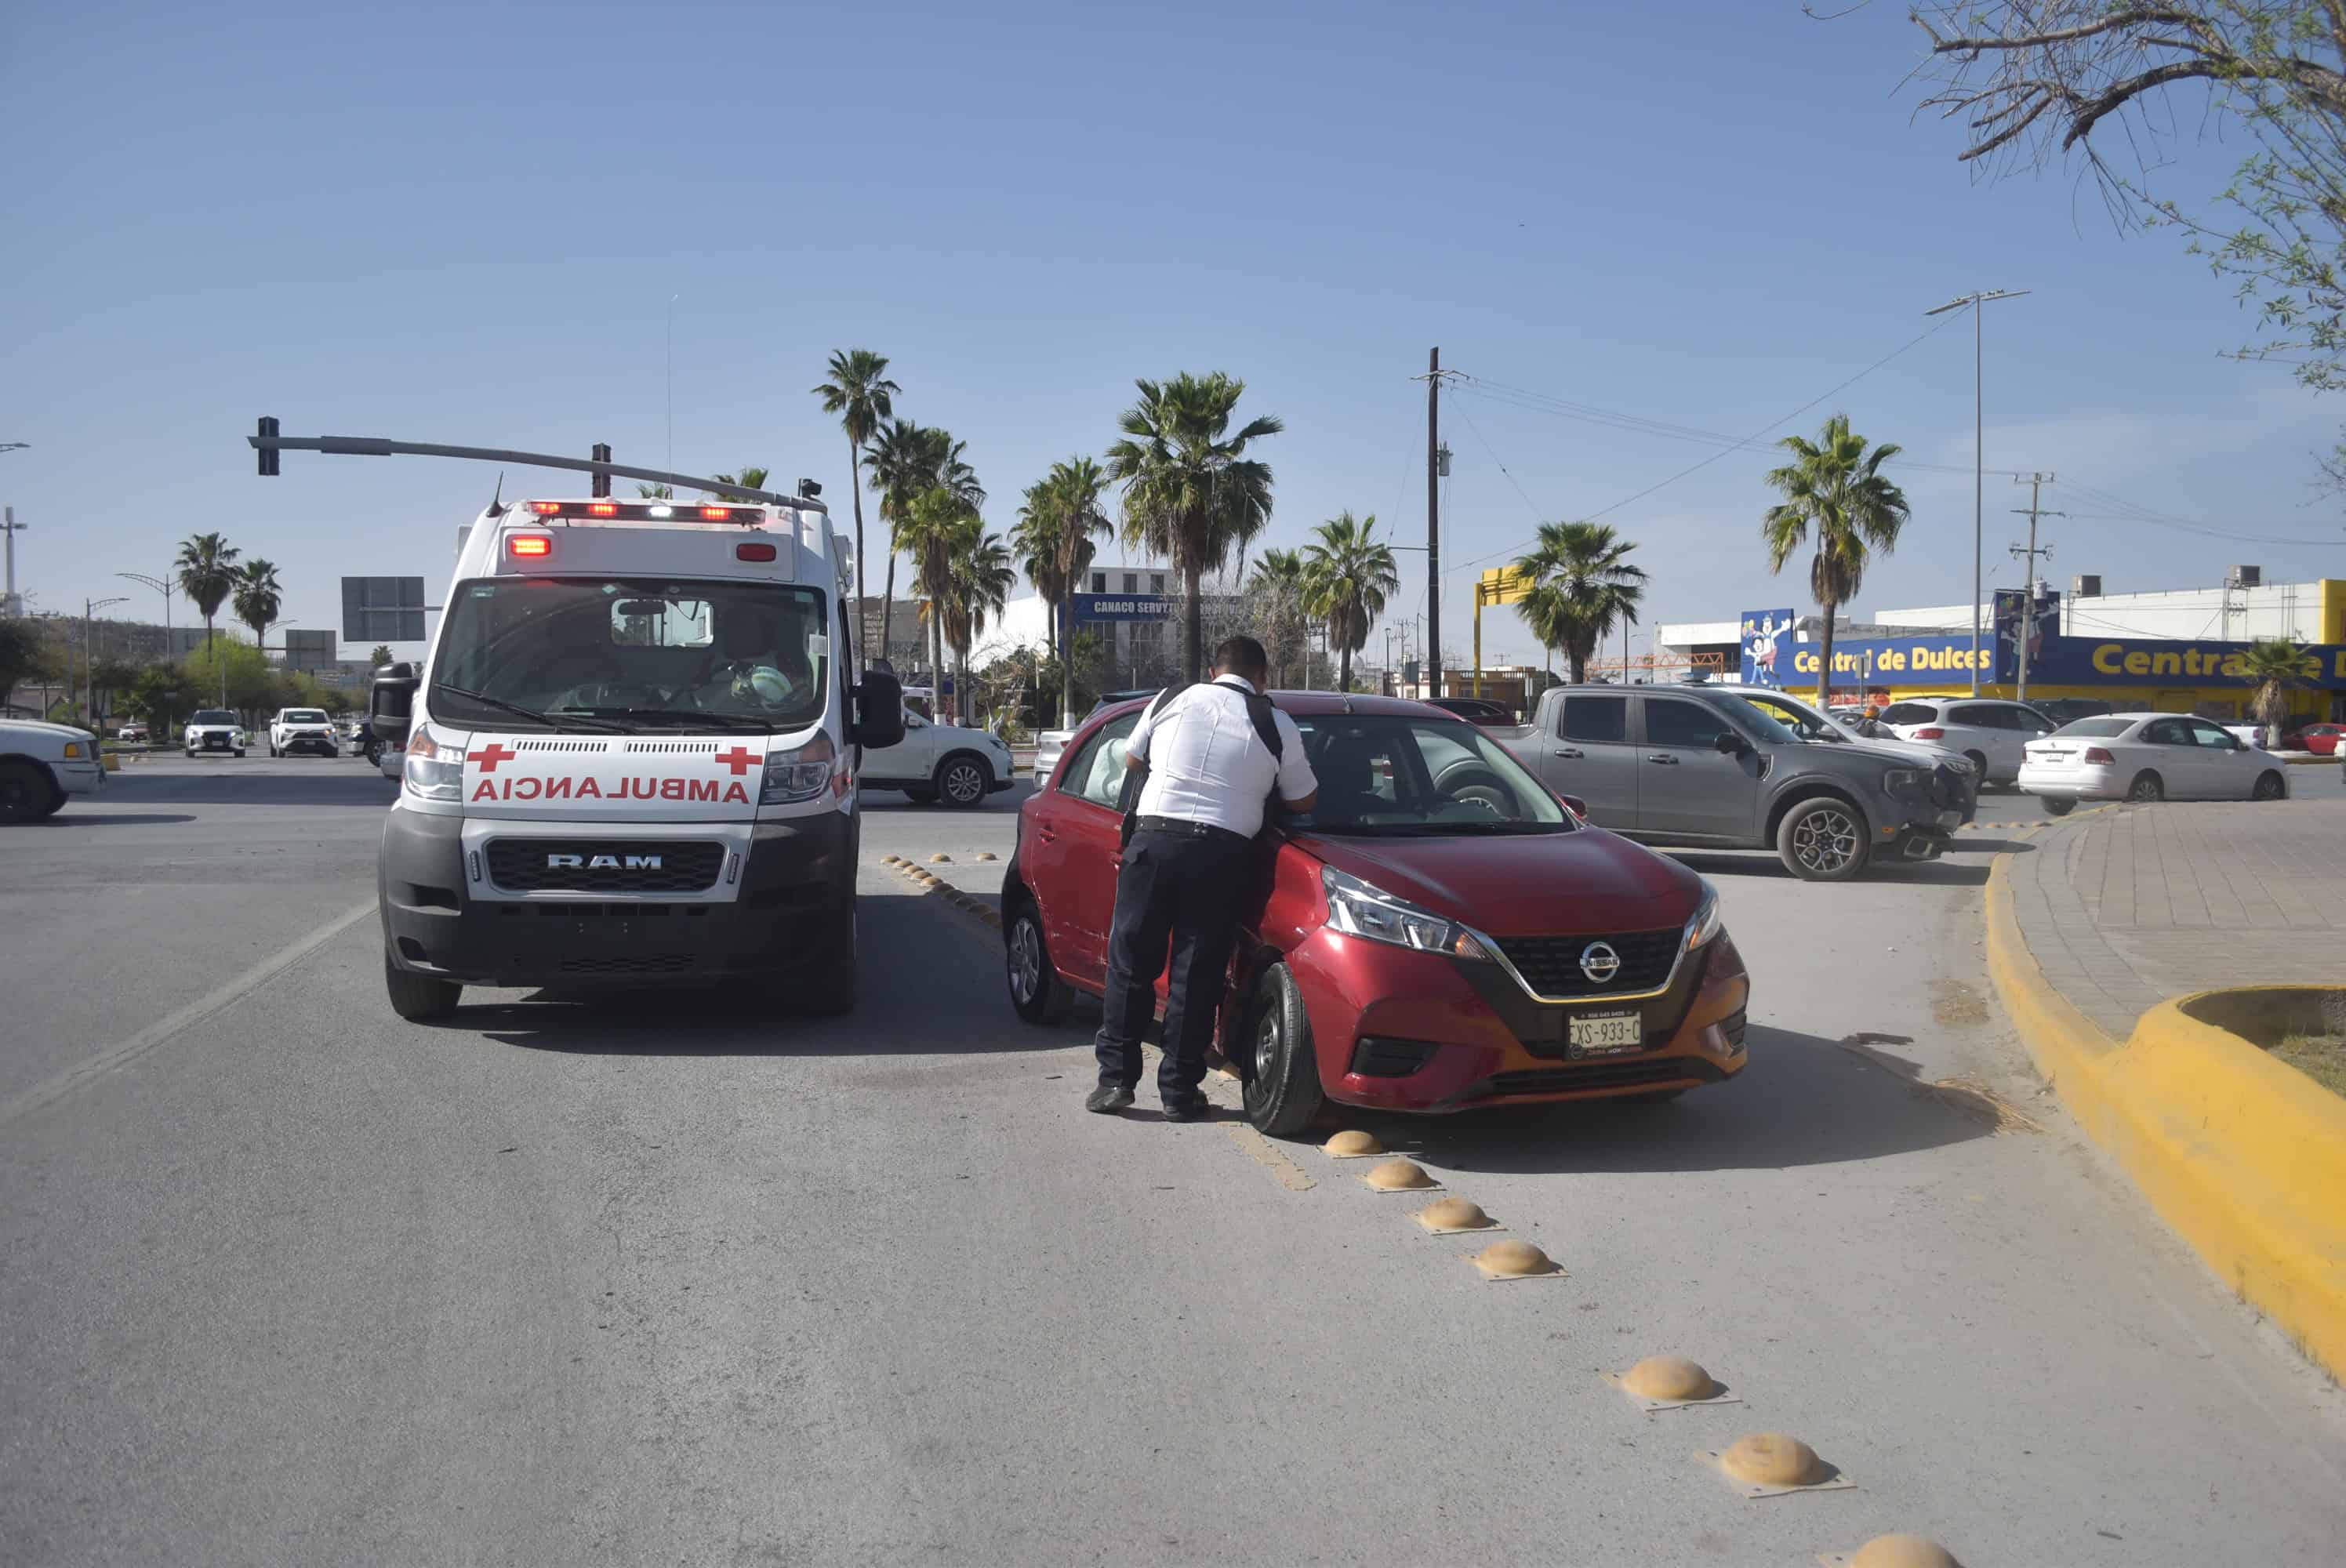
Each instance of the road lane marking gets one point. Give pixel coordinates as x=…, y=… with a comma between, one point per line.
x=57, y=1086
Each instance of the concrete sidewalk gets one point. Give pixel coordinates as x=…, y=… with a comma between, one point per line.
x=2125, y=906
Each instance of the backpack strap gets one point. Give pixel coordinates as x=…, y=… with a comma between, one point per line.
x=1266, y=723
x=1127, y=799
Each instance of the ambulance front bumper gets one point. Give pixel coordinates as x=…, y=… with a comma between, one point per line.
x=779, y=911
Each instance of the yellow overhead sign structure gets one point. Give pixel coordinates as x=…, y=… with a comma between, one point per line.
x=1499, y=585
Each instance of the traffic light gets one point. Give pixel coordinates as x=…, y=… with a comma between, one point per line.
x=601, y=454
x=268, y=454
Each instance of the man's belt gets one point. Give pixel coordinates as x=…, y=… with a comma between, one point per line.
x=1182, y=828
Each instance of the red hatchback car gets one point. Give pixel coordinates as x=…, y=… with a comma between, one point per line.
x=1440, y=933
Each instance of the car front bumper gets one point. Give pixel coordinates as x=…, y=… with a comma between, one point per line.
x=323, y=745
x=1471, y=1036
x=78, y=777
x=797, y=884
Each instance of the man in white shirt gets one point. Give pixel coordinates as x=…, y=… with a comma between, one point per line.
x=1212, y=771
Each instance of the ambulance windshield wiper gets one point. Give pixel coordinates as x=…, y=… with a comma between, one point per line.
x=683, y=718
x=549, y=720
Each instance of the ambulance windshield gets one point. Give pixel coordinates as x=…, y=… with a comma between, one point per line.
x=638, y=653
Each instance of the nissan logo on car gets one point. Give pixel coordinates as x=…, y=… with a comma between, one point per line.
x=610, y=863
x=1599, y=963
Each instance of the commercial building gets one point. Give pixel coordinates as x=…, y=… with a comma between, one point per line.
x=2173, y=651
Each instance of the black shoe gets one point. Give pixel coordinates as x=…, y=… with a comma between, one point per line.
x=1189, y=1108
x=1107, y=1099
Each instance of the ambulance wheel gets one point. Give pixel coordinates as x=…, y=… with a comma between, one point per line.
x=827, y=988
x=418, y=998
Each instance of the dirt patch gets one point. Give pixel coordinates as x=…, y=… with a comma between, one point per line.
x=2321, y=1057
x=1955, y=1003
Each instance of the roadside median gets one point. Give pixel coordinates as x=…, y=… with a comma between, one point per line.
x=2244, y=1155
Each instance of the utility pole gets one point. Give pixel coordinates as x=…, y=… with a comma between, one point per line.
x=1433, y=519
x=9, y=605
x=2035, y=482
x=90, y=608
x=1978, y=301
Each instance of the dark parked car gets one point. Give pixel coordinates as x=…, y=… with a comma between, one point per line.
x=1479, y=710
x=1442, y=931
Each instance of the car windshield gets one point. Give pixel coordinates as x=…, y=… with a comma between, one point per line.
x=305, y=716
x=1803, y=721
x=2096, y=726
x=212, y=715
x=1751, y=716
x=1392, y=774
x=595, y=652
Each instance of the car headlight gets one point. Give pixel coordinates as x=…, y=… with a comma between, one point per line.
x=1902, y=780
x=1959, y=766
x=799, y=774
x=435, y=766
x=1707, y=922
x=73, y=751
x=1363, y=909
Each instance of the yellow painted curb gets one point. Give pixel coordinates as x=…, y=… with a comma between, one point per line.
x=2241, y=1153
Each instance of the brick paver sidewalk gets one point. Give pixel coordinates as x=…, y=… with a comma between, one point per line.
x=2125, y=907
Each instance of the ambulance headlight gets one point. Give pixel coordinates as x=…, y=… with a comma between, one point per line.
x=802, y=773
x=435, y=766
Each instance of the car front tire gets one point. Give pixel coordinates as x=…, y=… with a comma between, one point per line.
x=27, y=793
x=2058, y=805
x=1283, y=1093
x=963, y=781
x=418, y=998
x=2270, y=785
x=1822, y=841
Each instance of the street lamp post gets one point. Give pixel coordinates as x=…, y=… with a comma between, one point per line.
x=1976, y=301
x=163, y=587
x=90, y=608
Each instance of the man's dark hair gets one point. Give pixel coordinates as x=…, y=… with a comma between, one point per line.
x=1242, y=657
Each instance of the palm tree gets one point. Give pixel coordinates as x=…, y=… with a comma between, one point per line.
x=258, y=596
x=2275, y=664
x=1190, y=493
x=930, y=533
x=860, y=392
x=907, y=461
x=656, y=491
x=1057, y=523
x=977, y=583
x=1347, y=573
x=749, y=479
x=1277, y=597
x=1835, y=485
x=207, y=572
x=381, y=656
x=1582, y=586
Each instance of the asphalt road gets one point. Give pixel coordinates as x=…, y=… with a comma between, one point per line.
x=667, y=1281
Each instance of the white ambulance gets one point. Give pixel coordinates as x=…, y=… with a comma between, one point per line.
x=631, y=757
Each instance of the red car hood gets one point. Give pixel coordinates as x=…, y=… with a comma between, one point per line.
x=1546, y=884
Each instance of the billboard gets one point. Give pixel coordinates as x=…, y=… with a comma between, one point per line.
x=383, y=609
x=1122, y=606
x=309, y=649
x=2009, y=614
x=1767, y=643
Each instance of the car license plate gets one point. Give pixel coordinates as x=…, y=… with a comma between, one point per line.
x=1605, y=1033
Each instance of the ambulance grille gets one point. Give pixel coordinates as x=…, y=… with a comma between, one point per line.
x=529, y=865
x=672, y=748
x=564, y=746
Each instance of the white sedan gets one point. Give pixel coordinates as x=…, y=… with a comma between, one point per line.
x=2148, y=757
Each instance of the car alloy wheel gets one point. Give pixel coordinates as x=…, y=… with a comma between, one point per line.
x=963, y=783
x=1026, y=961
x=2146, y=787
x=1825, y=841
x=1037, y=992
x=2268, y=788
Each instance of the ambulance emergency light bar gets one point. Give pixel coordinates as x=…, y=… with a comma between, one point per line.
x=649, y=511
x=268, y=443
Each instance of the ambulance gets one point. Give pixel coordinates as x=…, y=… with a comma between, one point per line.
x=631, y=757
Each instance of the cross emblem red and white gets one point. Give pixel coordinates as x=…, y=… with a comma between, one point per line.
x=489, y=756
x=741, y=759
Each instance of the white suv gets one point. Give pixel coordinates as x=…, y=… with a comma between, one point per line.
x=303, y=729
x=214, y=730
x=1993, y=733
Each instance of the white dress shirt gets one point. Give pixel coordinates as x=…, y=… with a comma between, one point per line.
x=1206, y=764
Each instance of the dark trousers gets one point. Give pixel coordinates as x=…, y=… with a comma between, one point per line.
x=1188, y=892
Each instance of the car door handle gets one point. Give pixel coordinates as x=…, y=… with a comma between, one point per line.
x=1572, y=751
x=1661, y=756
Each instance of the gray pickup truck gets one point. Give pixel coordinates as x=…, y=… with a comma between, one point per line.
x=1682, y=765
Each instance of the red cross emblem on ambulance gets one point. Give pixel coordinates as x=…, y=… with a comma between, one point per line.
x=741, y=759
x=489, y=756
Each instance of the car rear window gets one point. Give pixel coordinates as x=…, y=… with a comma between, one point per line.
x=1909, y=713
x=2102, y=728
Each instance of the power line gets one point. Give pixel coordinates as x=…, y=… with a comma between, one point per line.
x=1502, y=467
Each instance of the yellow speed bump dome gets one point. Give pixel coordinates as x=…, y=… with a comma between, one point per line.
x=1770, y=1459
x=1453, y=1214
x=1902, y=1552
x=1351, y=1144
x=1669, y=1378
x=1513, y=1260
x=1398, y=1175
x=940, y=858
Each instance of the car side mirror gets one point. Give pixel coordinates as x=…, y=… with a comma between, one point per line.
x=1576, y=805
x=1730, y=742
x=880, y=701
x=391, y=704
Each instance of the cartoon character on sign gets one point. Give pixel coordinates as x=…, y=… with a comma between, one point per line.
x=1765, y=637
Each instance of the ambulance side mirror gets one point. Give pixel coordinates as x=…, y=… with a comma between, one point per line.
x=880, y=721
x=391, y=704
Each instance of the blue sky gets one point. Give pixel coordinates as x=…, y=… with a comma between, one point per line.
x=465, y=222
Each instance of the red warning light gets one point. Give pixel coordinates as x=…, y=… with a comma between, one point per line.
x=530, y=544
x=602, y=509
x=753, y=552
x=717, y=514
x=546, y=508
